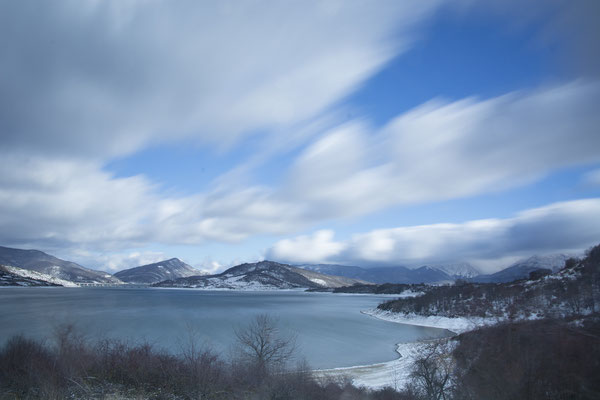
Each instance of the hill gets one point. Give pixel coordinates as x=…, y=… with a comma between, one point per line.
x=38, y=261
x=158, y=272
x=573, y=290
x=522, y=269
x=264, y=275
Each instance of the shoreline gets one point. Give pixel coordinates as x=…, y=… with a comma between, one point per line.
x=396, y=373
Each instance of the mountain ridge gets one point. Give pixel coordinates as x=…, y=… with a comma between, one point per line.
x=170, y=269
x=263, y=275
x=38, y=261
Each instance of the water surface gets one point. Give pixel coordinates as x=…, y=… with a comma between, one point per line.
x=330, y=328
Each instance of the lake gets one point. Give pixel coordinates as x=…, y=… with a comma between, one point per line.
x=331, y=330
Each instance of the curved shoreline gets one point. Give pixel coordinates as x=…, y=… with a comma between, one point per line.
x=396, y=373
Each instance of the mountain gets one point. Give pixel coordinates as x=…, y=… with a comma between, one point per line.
x=572, y=290
x=521, y=269
x=8, y=277
x=336, y=269
x=262, y=275
x=158, y=272
x=35, y=260
x=458, y=270
x=382, y=274
x=31, y=278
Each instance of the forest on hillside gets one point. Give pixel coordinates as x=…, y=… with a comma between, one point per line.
x=574, y=290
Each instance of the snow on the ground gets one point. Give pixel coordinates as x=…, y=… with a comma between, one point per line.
x=396, y=373
x=318, y=281
x=409, y=293
x=457, y=325
x=38, y=275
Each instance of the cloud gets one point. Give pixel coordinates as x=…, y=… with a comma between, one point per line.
x=108, y=78
x=592, y=178
x=443, y=150
x=561, y=227
x=112, y=262
x=308, y=248
x=83, y=82
x=435, y=152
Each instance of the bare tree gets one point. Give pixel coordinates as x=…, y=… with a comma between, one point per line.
x=263, y=344
x=432, y=371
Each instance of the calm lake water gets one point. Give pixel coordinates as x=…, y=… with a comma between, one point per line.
x=330, y=328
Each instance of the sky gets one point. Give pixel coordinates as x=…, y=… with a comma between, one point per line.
x=360, y=133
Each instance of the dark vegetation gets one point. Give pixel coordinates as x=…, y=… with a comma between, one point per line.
x=543, y=359
x=574, y=290
x=557, y=357
x=72, y=367
x=384, y=288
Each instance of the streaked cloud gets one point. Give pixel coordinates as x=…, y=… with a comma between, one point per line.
x=449, y=150
x=568, y=227
x=438, y=151
x=84, y=82
x=105, y=78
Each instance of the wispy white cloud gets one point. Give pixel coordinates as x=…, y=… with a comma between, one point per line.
x=449, y=150
x=435, y=152
x=90, y=80
x=561, y=227
x=107, y=78
x=111, y=261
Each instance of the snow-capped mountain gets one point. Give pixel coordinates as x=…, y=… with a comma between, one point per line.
x=458, y=270
x=35, y=260
x=262, y=275
x=158, y=272
x=521, y=269
x=24, y=277
x=382, y=274
x=553, y=262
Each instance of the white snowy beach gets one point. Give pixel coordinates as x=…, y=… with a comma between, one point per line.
x=396, y=373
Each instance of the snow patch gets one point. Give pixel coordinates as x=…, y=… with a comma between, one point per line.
x=25, y=273
x=318, y=281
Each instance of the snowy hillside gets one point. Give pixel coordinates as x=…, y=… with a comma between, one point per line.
x=264, y=275
x=458, y=270
x=158, y=272
x=38, y=261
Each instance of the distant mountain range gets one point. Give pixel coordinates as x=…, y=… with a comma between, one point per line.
x=35, y=265
x=158, y=272
x=425, y=274
x=264, y=275
x=38, y=261
x=522, y=269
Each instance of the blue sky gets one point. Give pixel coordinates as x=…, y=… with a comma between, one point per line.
x=397, y=133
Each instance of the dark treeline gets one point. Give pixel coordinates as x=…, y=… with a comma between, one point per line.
x=574, y=290
x=383, y=288
x=544, y=359
x=70, y=366
x=537, y=360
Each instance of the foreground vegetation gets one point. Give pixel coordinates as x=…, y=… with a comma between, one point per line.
x=541, y=359
x=72, y=367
